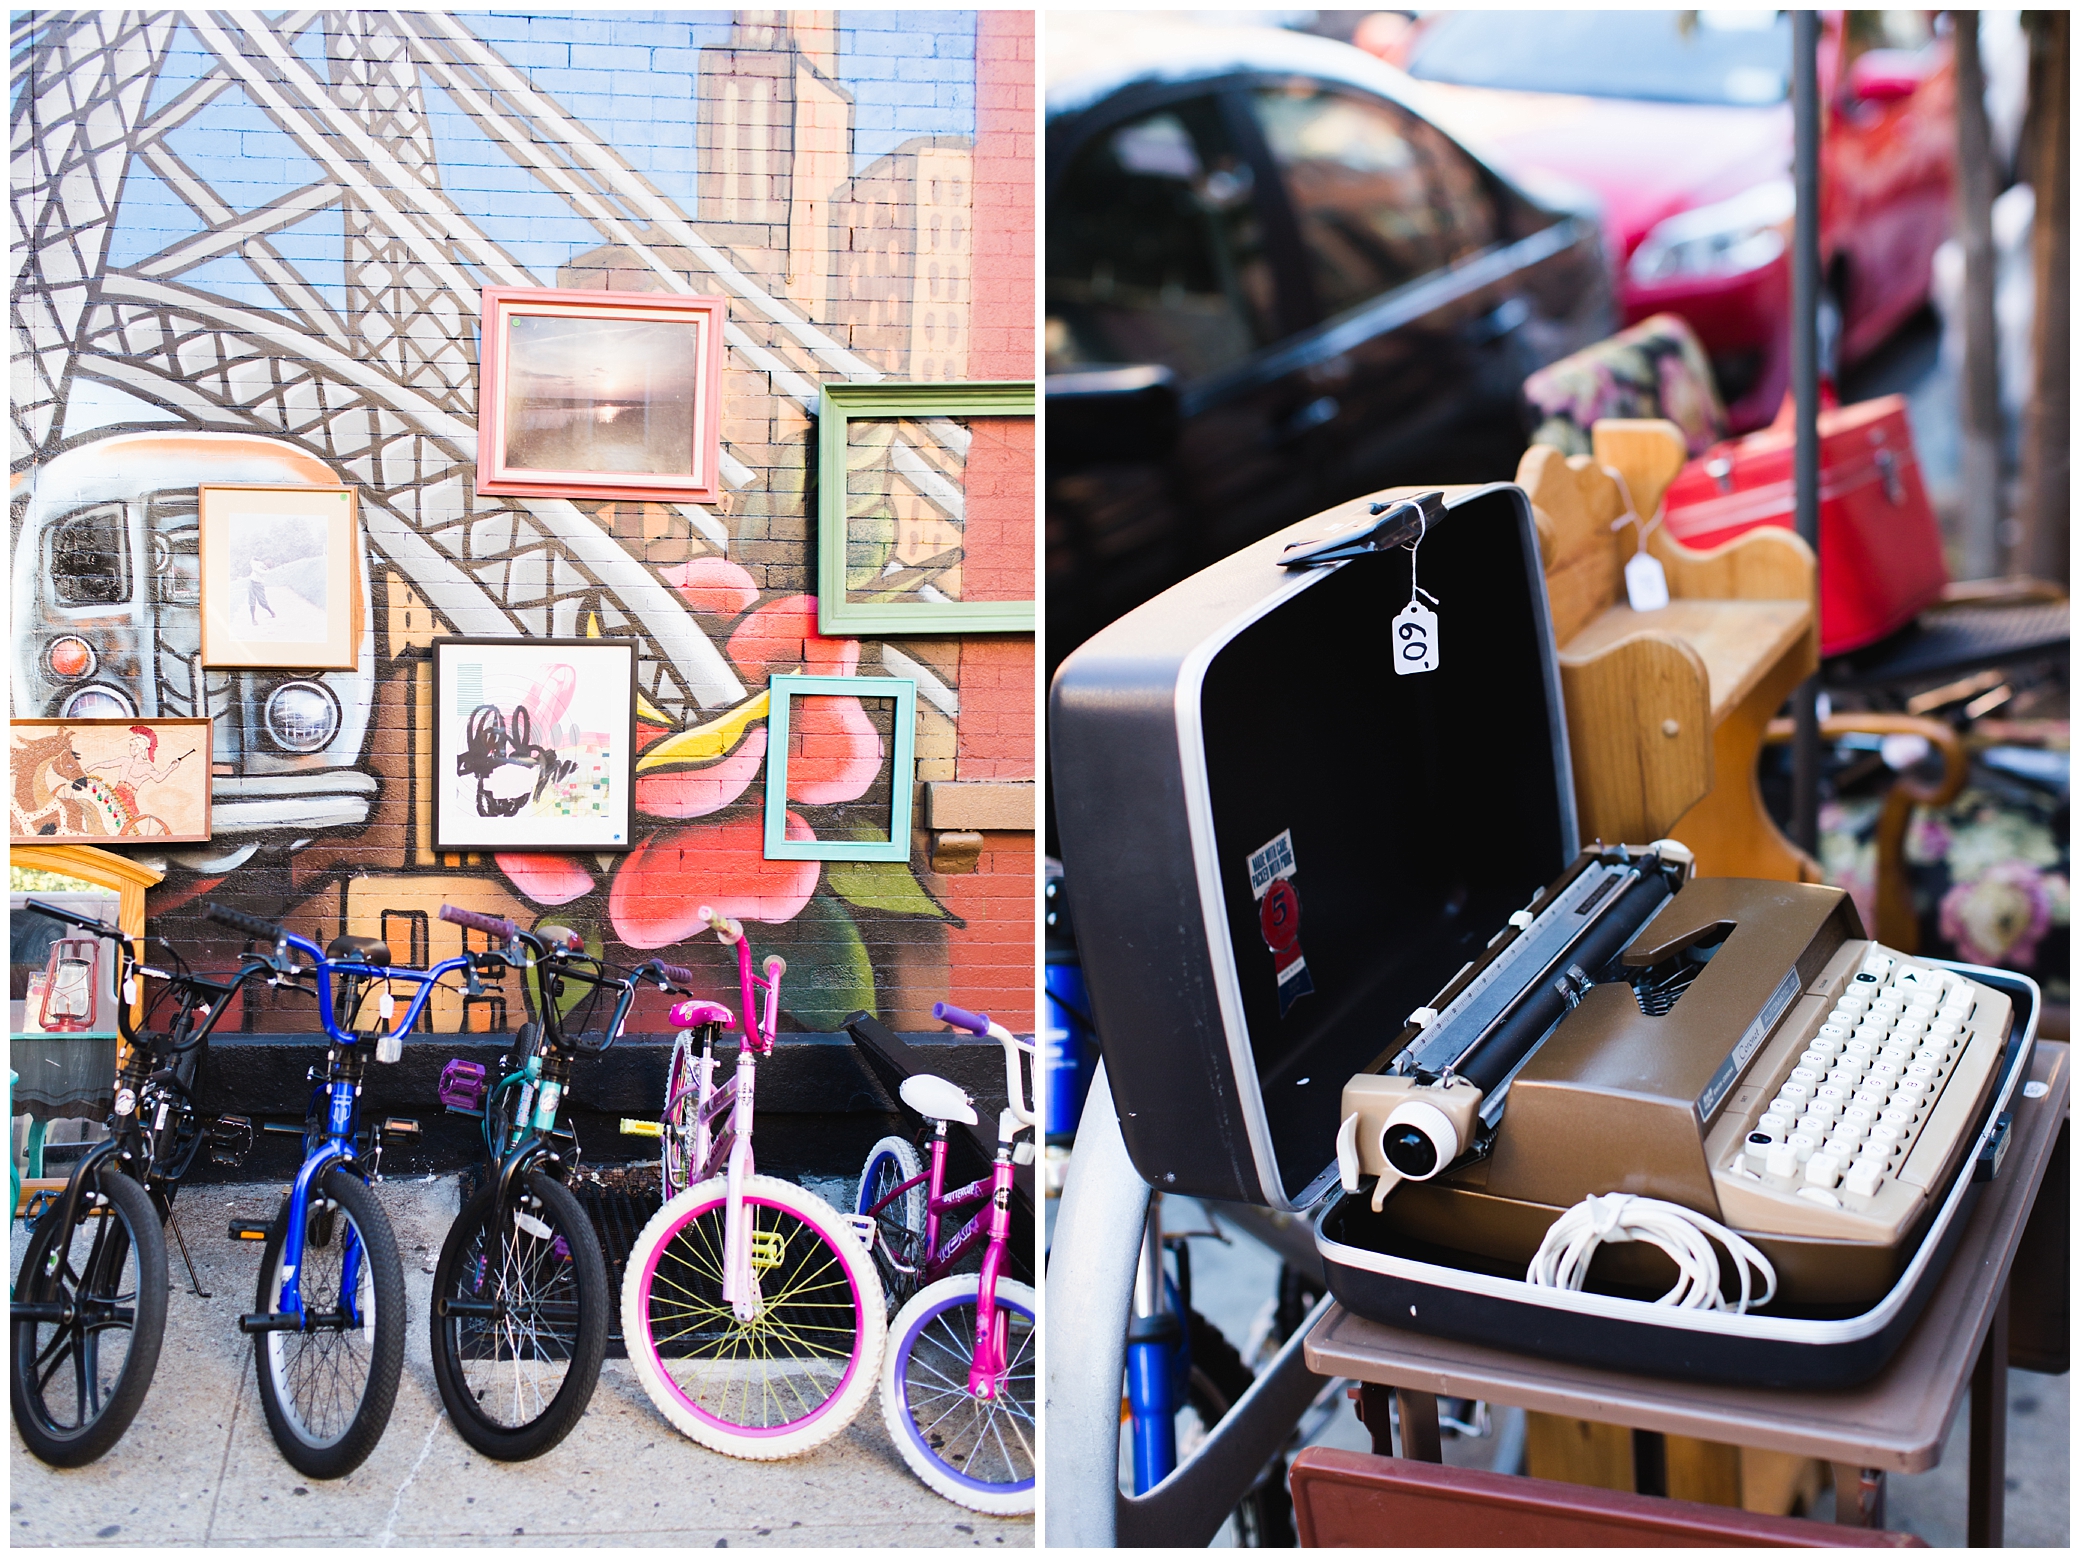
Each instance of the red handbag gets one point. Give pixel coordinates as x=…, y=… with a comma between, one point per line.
x=1881, y=554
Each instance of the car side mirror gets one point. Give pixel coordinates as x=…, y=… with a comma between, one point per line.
x=1886, y=75
x=1095, y=415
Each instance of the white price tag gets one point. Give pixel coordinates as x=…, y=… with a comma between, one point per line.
x=385, y=1006
x=1415, y=640
x=1646, y=582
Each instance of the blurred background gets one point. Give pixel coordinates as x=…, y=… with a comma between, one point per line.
x=1298, y=256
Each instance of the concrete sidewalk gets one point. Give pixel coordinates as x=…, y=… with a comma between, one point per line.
x=199, y=1468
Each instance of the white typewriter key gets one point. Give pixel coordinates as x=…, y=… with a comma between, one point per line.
x=1829, y=1051
x=1824, y=1197
x=1870, y=1098
x=1804, y=1144
x=1896, y=1049
x=1862, y=1178
x=1818, y=1061
x=1945, y=1030
x=1823, y=1169
x=1810, y=1075
x=1922, y=1071
x=1758, y=1148
x=1834, y=1033
x=1840, y=1148
x=1776, y=1123
x=1783, y=1160
x=1795, y=1089
x=1862, y=1048
x=1823, y=1109
x=1860, y=1114
x=1877, y=963
x=1892, y=1125
x=1911, y=1090
x=1885, y=1071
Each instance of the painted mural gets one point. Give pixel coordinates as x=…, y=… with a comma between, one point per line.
x=254, y=250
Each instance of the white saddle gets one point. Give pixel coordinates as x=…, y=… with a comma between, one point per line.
x=937, y=1099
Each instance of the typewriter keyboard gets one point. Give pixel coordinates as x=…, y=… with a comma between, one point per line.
x=1866, y=1119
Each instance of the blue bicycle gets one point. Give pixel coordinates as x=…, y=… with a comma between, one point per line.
x=328, y=1334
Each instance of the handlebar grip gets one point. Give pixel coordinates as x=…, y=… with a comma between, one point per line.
x=79, y=921
x=727, y=930
x=490, y=925
x=676, y=974
x=238, y=919
x=946, y=1012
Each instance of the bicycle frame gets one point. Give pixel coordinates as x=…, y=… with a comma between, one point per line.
x=731, y=1151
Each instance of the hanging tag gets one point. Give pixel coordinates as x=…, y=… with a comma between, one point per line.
x=1646, y=582
x=385, y=1006
x=1415, y=640
x=130, y=991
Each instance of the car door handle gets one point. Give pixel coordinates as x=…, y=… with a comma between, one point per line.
x=1316, y=413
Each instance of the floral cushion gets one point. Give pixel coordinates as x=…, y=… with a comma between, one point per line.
x=1991, y=874
x=1655, y=369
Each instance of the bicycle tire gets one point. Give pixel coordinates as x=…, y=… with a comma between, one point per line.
x=312, y=1425
x=977, y=1454
x=900, y=1224
x=1264, y=1515
x=671, y=1304
x=124, y=1259
x=681, y=1103
x=516, y=1384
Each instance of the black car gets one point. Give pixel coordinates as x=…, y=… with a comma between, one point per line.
x=1272, y=285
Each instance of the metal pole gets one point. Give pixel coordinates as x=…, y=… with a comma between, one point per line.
x=1805, y=384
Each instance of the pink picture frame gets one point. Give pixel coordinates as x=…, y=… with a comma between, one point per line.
x=602, y=395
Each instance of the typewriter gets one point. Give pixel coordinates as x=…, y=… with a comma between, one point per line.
x=1738, y=1048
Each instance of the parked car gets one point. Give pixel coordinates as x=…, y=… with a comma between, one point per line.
x=1272, y=285
x=1681, y=121
x=108, y=625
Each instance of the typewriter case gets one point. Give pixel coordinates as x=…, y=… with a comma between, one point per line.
x=1244, y=730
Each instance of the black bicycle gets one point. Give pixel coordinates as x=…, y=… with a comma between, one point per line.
x=89, y=1306
x=520, y=1301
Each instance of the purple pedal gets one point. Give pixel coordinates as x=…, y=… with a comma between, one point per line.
x=462, y=1086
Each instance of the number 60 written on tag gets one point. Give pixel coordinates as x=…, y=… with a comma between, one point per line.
x=1415, y=640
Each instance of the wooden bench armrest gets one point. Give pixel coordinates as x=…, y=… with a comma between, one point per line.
x=1765, y=564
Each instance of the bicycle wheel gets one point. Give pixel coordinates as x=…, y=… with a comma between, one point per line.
x=517, y=1378
x=899, y=1226
x=978, y=1453
x=788, y=1379
x=79, y=1380
x=328, y=1392
x=682, y=1091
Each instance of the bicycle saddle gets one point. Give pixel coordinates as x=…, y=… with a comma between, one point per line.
x=699, y=1014
x=358, y=949
x=937, y=1099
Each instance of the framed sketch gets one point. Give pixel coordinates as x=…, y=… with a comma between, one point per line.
x=600, y=395
x=533, y=743
x=108, y=781
x=880, y=828
x=926, y=508
x=281, y=576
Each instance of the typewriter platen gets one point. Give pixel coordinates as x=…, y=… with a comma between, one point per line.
x=1736, y=1047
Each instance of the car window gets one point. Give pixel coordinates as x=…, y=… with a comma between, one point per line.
x=1155, y=248
x=1731, y=57
x=1381, y=197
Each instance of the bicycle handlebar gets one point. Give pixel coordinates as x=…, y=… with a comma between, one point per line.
x=238, y=919
x=671, y=973
x=727, y=930
x=78, y=921
x=469, y=919
x=948, y=1013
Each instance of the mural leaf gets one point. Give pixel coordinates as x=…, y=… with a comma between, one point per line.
x=888, y=885
x=703, y=742
x=829, y=975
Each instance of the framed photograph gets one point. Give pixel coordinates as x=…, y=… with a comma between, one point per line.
x=926, y=508
x=533, y=743
x=600, y=395
x=880, y=828
x=281, y=576
x=108, y=781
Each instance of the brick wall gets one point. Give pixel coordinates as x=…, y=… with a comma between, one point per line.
x=258, y=243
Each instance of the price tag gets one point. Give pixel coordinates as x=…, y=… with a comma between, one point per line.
x=385, y=1006
x=1415, y=640
x=1646, y=582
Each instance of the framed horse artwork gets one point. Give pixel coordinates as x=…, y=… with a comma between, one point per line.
x=108, y=781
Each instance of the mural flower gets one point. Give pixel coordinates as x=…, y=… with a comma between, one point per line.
x=660, y=889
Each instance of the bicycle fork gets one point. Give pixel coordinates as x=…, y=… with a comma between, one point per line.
x=1152, y=1339
x=739, y=1278
x=293, y=1314
x=992, y=1325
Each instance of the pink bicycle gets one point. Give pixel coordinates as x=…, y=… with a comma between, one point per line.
x=750, y=1308
x=958, y=1387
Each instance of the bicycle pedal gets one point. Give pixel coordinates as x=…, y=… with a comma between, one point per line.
x=768, y=1249
x=641, y=1128
x=864, y=1228
x=244, y=1228
x=462, y=1087
x=230, y=1140
x=399, y=1126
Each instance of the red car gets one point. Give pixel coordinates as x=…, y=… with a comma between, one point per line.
x=1681, y=122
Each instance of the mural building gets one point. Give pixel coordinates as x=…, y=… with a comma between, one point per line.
x=253, y=249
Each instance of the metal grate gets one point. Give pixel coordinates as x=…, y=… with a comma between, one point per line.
x=619, y=1202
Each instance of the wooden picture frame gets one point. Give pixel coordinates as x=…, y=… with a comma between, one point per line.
x=281, y=576
x=600, y=395
x=839, y=613
x=902, y=766
x=534, y=744
x=108, y=781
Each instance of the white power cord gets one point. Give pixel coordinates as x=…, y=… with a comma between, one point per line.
x=1685, y=1236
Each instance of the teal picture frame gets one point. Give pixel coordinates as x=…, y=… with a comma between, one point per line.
x=903, y=771
x=837, y=616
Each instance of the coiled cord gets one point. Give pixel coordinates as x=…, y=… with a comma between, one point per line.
x=1685, y=1236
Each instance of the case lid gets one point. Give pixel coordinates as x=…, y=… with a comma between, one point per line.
x=1276, y=848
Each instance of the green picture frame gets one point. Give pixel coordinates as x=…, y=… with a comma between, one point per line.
x=841, y=403
x=902, y=774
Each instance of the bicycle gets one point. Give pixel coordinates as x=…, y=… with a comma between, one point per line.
x=750, y=1308
x=520, y=1303
x=95, y=1268
x=957, y=1390
x=328, y=1375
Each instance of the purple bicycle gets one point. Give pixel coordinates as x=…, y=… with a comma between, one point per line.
x=958, y=1387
